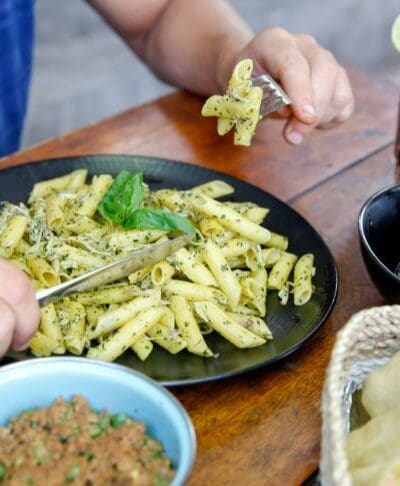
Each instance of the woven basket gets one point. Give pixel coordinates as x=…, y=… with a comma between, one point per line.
x=368, y=335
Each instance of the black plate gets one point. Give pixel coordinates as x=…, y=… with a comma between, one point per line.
x=291, y=326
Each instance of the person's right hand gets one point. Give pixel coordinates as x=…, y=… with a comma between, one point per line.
x=19, y=310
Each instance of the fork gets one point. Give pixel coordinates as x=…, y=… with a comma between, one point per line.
x=274, y=97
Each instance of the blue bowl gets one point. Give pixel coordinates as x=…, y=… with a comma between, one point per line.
x=38, y=382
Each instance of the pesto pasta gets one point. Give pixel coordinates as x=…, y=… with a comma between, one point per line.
x=239, y=107
x=218, y=283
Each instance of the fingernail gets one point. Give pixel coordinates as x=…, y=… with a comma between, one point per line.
x=295, y=138
x=309, y=111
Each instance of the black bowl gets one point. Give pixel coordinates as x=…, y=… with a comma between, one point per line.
x=379, y=229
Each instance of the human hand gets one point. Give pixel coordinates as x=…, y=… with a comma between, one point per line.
x=318, y=86
x=19, y=310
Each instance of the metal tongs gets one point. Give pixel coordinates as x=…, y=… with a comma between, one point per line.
x=113, y=271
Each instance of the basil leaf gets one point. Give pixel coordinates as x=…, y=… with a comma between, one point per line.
x=123, y=197
x=157, y=219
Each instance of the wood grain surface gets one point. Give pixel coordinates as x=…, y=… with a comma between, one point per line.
x=263, y=428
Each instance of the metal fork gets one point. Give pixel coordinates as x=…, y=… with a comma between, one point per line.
x=274, y=97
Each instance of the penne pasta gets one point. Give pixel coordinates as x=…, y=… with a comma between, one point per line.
x=50, y=328
x=302, y=276
x=126, y=336
x=189, y=264
x=192, y=291
x=143, y=348
x=12, y=235
x=231, y=330
x=189, y=327
x=115, y=318
x=281, y=270
x=218, y=282
x=222, y=273
x=230, y=218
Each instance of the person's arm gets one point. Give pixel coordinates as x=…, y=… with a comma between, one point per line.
x=195, y=44
x=19, y=310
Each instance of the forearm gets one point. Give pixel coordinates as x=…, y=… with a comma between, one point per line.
x=188, y=43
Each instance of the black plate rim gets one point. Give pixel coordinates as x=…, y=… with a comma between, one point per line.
x=216, y=173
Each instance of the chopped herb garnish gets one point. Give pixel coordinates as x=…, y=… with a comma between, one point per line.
x=3, y=471
x=118, y=420
x=73, y=473
x=160, y=480
x=88, y=455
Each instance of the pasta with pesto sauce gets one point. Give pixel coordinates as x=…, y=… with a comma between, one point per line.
x=218, y=283
x=239, y=107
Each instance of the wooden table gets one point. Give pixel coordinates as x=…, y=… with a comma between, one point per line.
x=263, y=428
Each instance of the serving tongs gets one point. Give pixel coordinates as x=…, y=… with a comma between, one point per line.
x=113, y=271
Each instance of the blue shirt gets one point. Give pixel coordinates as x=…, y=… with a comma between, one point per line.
x=16, y=42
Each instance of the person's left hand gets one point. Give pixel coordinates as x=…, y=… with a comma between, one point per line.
x=318, y=86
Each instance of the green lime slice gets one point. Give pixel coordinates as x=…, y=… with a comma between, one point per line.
x=396, y=33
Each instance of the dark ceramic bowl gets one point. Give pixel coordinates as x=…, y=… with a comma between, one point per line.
x=379, y=229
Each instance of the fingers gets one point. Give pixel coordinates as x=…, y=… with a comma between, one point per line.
x=286, y=63
x=8, y=322
x=317, y=85
x=16, y=292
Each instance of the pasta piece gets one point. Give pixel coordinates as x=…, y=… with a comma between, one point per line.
x=253, y=257
x=188, y=326
x=97, y=189
x=213, y=189
x=139, y=275
x=192, y=291
x=50, y=327
x=270, y=256
x=169, y=339
x=161, y=272
x=245, y=128
x=143, y=348
x=240, y=107
x=113, y=294
x=126, y=336
x=133, y=238
x=256, y=214
x=73, y=180
x=219, y=267
x=55, y=214
x=74, y=331
x=234, y=247
x=188, y=264
x=231, y=219
x=76, y=257
x=211, y=228
x=168, y=318
x=115, y=318
x=93, y=313
x=255, y=289
x=281, y=270
x=302, y=276
x=277, y=241
x=12, y=235
x=41, y=345
x=219, y=320
x=224, y=125
x=253, y=323
x=82, y=225
x=43, y=271
x=172, y=200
